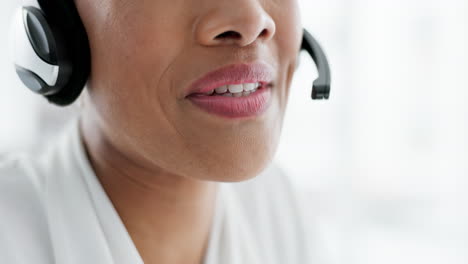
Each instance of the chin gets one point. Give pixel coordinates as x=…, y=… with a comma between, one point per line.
x=234, y=172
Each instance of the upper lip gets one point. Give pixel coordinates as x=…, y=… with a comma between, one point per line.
x=233, y=74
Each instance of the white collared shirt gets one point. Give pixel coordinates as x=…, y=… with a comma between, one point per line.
x=54, y=210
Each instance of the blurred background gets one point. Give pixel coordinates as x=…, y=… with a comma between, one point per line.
x=382, y=166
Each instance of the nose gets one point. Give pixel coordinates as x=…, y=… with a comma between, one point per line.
x=239, y=22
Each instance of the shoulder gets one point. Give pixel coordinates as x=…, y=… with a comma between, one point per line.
x=16, y=167
x=19, y=181
x=23, y=216
x=22, y=179
x=270, y=204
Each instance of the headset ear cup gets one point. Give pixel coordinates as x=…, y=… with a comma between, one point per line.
x=51, y=50
x=80, y=59
x=67, y=22
x=40, y=60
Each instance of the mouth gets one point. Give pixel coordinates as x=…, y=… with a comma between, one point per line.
x=235, y=91
x=234, y=105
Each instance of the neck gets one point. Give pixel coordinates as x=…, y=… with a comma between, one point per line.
x=168, y=216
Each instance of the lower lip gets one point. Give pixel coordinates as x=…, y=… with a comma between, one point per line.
x=234, y=107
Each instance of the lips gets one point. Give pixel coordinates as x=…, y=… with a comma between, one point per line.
x=239, y=104
x=233, y=74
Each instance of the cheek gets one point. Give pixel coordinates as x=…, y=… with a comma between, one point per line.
x=289, y=29
x=128, y=61
x=288, y=39
x=125, y=70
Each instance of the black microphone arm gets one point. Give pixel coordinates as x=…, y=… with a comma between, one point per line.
x=321, y=85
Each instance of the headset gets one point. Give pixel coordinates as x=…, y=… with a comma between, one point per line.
x=52, y=54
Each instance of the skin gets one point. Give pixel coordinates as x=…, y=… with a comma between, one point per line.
x=158, y=156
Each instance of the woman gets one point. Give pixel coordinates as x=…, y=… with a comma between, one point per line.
x=183, y=97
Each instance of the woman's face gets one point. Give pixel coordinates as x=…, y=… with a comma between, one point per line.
x=145, y=55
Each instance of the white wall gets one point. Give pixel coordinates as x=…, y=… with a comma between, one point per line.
x=383, y=163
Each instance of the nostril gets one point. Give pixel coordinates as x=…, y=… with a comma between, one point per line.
x=263, y=33
x=229, y=34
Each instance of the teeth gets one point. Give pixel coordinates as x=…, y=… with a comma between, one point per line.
x=236, y=88
x=250, y=86
x=221, y=89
